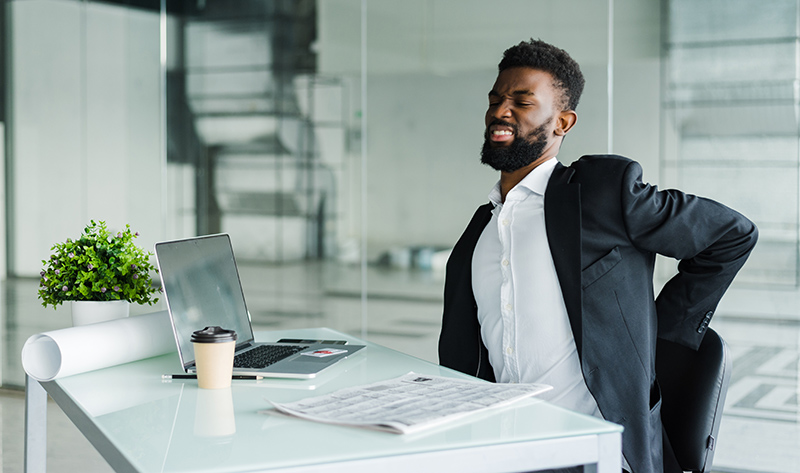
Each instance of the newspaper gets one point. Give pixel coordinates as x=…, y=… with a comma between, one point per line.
x=408, y=403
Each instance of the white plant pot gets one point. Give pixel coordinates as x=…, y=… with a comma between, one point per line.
x=90, y=312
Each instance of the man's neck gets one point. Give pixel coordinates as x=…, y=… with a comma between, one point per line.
x=509, y=180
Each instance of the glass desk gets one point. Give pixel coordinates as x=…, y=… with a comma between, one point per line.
x=140, y=423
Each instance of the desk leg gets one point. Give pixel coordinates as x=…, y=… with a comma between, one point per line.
x=609, y=453
x=35, y=427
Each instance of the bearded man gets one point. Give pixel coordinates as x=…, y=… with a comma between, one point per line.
x=552, y=281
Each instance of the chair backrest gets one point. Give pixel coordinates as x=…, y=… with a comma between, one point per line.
x=693, y=388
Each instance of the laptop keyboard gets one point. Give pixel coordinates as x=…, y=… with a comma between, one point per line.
x=265, y=355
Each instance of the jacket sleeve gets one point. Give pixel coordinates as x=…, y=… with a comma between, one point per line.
x=711, y=242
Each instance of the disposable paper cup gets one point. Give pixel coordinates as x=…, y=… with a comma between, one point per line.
x=213, y=354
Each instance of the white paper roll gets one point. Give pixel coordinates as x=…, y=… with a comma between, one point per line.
x=50, y=355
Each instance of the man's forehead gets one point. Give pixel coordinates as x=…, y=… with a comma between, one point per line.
x=518, y=92
x=522, y=81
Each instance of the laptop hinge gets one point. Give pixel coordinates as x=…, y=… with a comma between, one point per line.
x=243, y=346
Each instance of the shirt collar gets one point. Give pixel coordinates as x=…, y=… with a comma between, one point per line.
x=535, y=181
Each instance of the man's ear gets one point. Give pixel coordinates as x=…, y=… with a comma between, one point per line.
x=565, y=121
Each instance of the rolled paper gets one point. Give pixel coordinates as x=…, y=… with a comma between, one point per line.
x=58, y=353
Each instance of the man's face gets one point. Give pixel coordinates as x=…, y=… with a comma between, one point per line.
x=520, y=119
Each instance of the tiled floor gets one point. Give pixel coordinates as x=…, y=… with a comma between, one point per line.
x=760, y=430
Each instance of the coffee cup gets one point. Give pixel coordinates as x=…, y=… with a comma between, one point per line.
x=213, y=354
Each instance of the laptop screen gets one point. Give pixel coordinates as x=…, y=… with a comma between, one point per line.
x=202, y=288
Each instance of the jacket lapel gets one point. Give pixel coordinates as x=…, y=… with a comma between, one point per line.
x=562, y=216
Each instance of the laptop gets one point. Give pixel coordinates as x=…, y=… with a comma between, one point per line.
x=201, y=286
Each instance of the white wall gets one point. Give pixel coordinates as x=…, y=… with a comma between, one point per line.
x=85, y=111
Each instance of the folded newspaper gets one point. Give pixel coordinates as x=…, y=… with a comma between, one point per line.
x=409, y=403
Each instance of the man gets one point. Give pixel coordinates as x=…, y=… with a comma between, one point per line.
x=552, y=282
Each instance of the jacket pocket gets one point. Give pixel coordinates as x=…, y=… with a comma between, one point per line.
x=655, y=397
x=600, y=267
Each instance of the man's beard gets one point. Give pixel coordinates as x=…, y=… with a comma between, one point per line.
x=523, y=150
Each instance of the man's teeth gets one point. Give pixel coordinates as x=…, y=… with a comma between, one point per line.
x=501, y=132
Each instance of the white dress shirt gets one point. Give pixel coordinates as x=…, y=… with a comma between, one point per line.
x=524, y=322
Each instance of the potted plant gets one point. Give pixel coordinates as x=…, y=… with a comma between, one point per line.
x=97, y=271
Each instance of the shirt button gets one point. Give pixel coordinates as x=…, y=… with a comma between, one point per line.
x=509, y=307
x=505, y=262
x=505, y=222
x=509, y=350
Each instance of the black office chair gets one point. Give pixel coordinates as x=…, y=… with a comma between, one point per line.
x=693, y=389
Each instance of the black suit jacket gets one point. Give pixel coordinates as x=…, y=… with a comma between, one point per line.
x=604, y=227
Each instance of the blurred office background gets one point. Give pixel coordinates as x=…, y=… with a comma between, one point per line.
x=337, y=141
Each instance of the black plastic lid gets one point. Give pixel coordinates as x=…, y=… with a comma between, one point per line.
x=213, y=334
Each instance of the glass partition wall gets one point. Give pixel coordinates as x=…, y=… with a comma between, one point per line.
x=338, y=143
x=731, y=129
x=84, y=138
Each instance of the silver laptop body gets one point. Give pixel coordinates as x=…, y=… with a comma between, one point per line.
x=202, y=288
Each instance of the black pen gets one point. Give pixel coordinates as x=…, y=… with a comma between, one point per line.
x=167, y=377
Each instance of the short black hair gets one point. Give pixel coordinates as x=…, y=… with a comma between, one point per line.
x=543, y=56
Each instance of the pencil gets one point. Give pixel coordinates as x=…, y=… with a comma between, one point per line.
x=168, y=377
